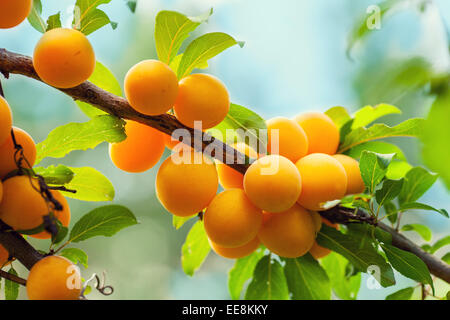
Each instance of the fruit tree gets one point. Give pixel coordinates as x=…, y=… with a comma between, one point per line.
x=304, y=203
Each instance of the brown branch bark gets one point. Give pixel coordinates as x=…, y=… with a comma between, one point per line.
x=87, y=92
x=18, y=247
x=436, y=266
x=343, y=216
x=119, y=107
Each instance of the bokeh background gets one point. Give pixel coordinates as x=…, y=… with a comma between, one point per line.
x=294, y=60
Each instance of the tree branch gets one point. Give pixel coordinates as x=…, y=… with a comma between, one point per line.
x=345, y=216
x=18, y=247
x=436, y=266
x=13, y=278
x=119, y=107
x=89, y=93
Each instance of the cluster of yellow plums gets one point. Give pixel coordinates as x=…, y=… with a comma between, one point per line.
x=53, y=277
x=276, y=202
x=152, y=88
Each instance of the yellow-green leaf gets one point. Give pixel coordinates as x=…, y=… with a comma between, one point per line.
x=172, y=29
x=202, y=49
x=369, y=114
x=195, y=249
x=241, y=272
x=90, y=185
x=88, y=18
x=268, y=282
x=81, y=136
x=409, y=128
x=104, y=221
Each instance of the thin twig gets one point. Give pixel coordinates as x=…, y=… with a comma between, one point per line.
x=61, y=188
x=13, y=278
x=424, y=291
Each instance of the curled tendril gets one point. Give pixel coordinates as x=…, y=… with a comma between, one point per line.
x=99, y=286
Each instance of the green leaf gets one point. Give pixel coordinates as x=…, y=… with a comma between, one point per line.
x=439, y=244
x=369, y=114
x=90, y=185
x=242, y=125
x=421, y=206
x=417, y=181
x=306, y=279
x=403, y=294
x=35, y=19
x=422, y=230
x=104, y=221
x=11, y=288
x=396, y=79
x=359, y=250
x=391, y=211
x=174, y=65
x=54, y=21
x=76, y=256
x=339, y=115
x=88, y=290
x=361, y=204
x=373, y=167
x=87, y=18
x=356, y=201
x=342, y=119
x=55, y=175
x=408, y=264
x=195, y=249
x=132, y=5
x=344, y=131
x=383, y=236
x=172, y=29
x=241, y=272
x=178, y=222
x=389, y=191
x=105, y=79
x=343, y=287
x=81, y=136
x=61, y=233
x=268, y=282
x=446, y=258
x=436, y=152
x=202, y=49
x=409, y=128
x=398, y=170
x=377, y=147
